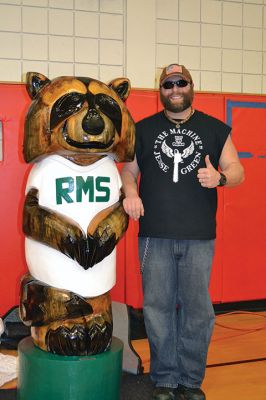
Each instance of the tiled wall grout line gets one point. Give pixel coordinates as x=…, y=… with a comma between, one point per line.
x=222, y=42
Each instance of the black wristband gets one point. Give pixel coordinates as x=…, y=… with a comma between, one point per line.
x=223, y=180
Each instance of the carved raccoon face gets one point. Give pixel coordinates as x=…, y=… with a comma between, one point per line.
x=78, y=116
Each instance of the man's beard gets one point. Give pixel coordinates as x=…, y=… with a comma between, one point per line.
x=181, y=106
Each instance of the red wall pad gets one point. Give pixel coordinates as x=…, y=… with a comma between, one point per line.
x=13, y=175
x=244, y=260
x=239, y=270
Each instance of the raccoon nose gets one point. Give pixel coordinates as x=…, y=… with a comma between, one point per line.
x=93, y=123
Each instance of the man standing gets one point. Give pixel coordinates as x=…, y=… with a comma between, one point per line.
x=178, y=152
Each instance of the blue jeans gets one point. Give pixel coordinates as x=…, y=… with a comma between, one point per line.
x=177, y=272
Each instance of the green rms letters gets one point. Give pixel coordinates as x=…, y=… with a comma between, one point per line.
x=71, y=189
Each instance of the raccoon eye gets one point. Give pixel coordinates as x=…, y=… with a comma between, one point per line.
x=67, y=105
x=109, y=107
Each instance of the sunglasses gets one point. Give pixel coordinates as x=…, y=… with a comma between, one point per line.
x=170, y=84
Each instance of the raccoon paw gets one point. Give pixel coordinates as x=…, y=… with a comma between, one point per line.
x=79, y=340
x=88, y=251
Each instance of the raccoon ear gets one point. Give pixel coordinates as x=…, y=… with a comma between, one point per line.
x=35, y=82
x=121, y=86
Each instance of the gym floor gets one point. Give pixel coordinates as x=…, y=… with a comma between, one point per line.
x=236, y=365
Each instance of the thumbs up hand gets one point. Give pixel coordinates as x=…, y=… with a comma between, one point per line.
x=208, y=177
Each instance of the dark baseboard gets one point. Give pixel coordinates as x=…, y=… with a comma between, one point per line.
x=251, y=305
x=137, y=326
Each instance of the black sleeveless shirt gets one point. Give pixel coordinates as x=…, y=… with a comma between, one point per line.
x=176, y=205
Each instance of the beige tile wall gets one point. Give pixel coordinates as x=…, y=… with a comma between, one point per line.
x=223, y=43
x=62, y=37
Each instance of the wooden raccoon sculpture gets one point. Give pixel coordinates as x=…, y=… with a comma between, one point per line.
x=73, y=214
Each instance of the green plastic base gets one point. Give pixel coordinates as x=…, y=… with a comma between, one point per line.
x=46, y=376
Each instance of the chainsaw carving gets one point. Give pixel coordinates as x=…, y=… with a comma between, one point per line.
x=73, y=215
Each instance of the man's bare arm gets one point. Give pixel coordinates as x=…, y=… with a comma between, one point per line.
x=230, y=166
x=132, y=202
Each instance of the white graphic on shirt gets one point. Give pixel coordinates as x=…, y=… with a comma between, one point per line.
x=178, y=157
x=184, y=152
